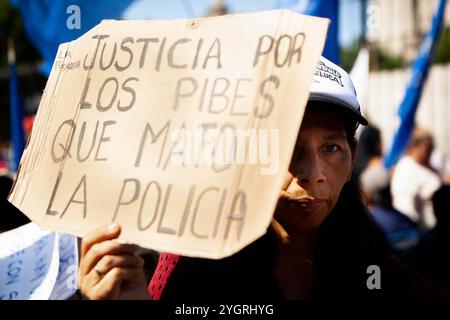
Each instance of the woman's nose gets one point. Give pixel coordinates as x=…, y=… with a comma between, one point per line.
x=309, y=170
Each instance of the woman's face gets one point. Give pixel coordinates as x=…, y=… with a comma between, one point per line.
x=320, y=166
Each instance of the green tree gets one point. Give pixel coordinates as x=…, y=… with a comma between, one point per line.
x=442, y=54
x=388, y=61
x=348, y=56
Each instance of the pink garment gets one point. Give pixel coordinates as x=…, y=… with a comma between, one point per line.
x=166, y=264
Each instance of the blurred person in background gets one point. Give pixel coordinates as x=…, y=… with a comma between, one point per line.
x=374, y=179
x=4, y=151
x=441, y=163
x=369, y=151
x=431, y=257
x=414, y=181
x=401, y=233
x=10, y=216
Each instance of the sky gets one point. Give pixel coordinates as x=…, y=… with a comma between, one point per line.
x=349, y=23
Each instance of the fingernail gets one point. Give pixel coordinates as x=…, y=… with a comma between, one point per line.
x=112, y=227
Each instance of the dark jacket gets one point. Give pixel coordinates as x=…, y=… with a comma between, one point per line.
x=249, y=275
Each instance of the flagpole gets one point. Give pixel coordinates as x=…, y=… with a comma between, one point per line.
x=363, y=38
x=408, y=107
x=16, y=108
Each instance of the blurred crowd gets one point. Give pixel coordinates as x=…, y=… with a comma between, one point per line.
x=411, y=202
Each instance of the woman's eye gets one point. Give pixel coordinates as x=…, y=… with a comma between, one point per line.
x=331, y=148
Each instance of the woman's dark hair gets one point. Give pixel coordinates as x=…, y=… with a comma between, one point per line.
x=349, y=241
x=350, y=222
x=441, y=205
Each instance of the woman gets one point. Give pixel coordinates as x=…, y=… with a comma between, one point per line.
x=321, y=243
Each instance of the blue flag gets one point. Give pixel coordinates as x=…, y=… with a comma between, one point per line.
x=16, y=110
x=410, y=102
x=51, y=22
x=319, y=8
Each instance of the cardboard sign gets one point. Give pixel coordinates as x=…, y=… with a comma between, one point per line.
x=179, y=130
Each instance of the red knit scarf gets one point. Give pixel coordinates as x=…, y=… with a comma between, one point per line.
x=166, y=264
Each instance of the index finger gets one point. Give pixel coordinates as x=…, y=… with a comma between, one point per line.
x=101, y=234
x=287, y=180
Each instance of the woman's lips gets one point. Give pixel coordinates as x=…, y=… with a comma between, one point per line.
x=306, y=203
x=303, y=202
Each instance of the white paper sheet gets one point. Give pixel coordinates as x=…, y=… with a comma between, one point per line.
x=37, y=264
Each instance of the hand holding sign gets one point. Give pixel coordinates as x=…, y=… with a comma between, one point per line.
x=180, y=131
x=110, y=270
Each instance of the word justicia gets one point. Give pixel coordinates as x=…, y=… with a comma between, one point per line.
x=207, y=144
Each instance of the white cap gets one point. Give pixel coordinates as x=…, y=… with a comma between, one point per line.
x=333, y=85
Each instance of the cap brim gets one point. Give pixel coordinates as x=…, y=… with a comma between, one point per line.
x=340, y=103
